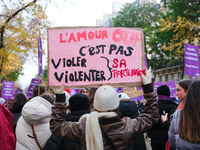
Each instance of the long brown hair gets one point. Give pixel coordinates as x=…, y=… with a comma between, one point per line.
x=91, y=95
x=190, y=115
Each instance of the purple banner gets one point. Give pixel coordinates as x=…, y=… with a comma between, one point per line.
x=73, y=91
x=31, y=86
x=191, y=60
x=172, y=87
x=135, y=93
x=18, y=90
x=157, y=84
x=146, y=64
x=7, y=89
x=39, y=56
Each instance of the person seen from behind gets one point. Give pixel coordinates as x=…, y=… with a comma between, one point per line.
x=184, y=128
x=105, y=119
x=79, y=105
x=158, y=132
x=128, y=108
x=16, y=109
x=32, y=130
x=38, y=87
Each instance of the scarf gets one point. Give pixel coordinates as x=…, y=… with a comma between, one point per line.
x=180, y=106
x=163, y=97
x=93, y=133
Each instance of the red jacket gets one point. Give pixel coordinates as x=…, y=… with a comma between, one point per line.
x=7, y=137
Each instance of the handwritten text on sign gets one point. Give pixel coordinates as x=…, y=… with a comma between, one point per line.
x=85, y=56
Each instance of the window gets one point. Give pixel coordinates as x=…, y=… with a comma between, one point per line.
x=160, y=78
x=166, y=78
x=172, y=77
x=179, y=76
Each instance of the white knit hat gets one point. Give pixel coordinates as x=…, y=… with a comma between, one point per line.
x=106, y=98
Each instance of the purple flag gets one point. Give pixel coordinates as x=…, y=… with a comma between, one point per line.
x=146, y=64
x=172, y=87
x=191, y=60
x=39, y=56
x=31, y=86
x=157, y=84
x=18, y=90
x=135, y=93
x=7, y=89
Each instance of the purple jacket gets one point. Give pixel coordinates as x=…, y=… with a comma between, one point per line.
x=174, y=140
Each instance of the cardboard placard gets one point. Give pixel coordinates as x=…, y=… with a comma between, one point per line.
x=81, y=57
x=8, y=89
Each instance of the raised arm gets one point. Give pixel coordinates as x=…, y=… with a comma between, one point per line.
x=59, y=127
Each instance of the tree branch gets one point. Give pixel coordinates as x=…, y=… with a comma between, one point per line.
x=10, y=17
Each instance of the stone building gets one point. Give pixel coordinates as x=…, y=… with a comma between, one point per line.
x=173, y=73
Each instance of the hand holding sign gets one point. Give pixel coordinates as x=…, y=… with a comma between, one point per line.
x=146, y=79
x=60, y=90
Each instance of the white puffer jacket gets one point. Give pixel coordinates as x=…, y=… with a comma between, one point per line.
x=38, y=113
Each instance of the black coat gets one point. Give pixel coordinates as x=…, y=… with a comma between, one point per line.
x=54, y=143
x=16, y=115
x=159, y=133
x=130, y=109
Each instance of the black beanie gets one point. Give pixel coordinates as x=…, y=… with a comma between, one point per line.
x=163, y=90
x=79, y=102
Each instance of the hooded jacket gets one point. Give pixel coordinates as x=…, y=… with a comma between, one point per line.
x=130, y=109
x=36, y=112
x=120, y=131
x=7, y=137
x=54, y=143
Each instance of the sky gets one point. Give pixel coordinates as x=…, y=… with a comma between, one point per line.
x=77, y=13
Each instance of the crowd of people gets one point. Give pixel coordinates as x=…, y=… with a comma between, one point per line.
x=100, y=118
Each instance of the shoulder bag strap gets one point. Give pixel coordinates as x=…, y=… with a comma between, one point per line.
x=35, y=137
x=105, y=136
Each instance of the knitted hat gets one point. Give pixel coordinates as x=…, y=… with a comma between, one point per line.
x=79, y=102
x=123, y=96
x=67, y=96
x=106, y=98
x=163, y=90
x=2, y=100
x=67, y=90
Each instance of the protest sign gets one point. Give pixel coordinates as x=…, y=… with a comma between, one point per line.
x=7, y=89
x=135, y=93
x=170, y=84
x=172, y=87
x=33, y=83
x=18, y=90
x=81, y=57
x=157, y=84
x=191, y=60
